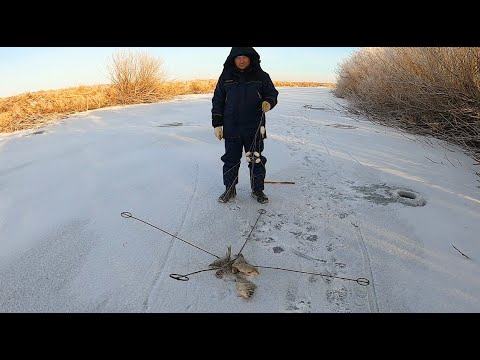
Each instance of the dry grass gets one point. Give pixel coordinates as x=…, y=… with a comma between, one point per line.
x=136, y=77
x=32, y=110
x=428, y=91
x=303, y=84
x=175, y=88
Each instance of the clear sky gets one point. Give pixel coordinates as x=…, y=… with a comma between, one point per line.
x=28, y=69
x=64, y=246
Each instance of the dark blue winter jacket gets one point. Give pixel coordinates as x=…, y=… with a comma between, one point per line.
x=238, y=96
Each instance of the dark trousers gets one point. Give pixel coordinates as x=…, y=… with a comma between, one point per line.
x=233, y=154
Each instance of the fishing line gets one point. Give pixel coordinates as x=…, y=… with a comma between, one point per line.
x=360, y=281
x=260, y=211
x=185, y=277
x=181, y=277
x=252, y=151
x=128, y=215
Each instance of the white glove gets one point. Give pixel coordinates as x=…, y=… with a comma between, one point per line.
x=262, y=131
x=219, y=132
x=265, y=106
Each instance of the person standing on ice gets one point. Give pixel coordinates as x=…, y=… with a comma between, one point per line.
x=244, y=93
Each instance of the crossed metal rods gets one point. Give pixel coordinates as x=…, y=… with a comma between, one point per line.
x=127, y=215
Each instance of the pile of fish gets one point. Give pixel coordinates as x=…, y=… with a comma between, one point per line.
x=239, y=267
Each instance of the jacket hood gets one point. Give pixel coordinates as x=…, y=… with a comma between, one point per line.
x=248, y=51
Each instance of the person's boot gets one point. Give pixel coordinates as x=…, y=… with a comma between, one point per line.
x=260, y=196
x=228, y=195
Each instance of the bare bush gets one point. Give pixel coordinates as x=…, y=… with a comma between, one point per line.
x=428, y=91
x=137, y=76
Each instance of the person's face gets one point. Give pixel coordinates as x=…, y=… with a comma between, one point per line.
x=242, y=62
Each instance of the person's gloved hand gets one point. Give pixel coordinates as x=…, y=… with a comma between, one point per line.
x=219, y=132
x=265, y=106
x=262, y=131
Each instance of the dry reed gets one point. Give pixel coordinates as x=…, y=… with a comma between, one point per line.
x=426, y=91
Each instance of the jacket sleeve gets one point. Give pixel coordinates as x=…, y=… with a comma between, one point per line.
x=218, y=103
x=269, y=92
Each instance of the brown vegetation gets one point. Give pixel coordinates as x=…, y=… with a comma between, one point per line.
x=135, y=78
x=31, y=110
x=427, y=91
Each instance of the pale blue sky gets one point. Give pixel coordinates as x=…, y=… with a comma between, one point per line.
x=28, y=69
